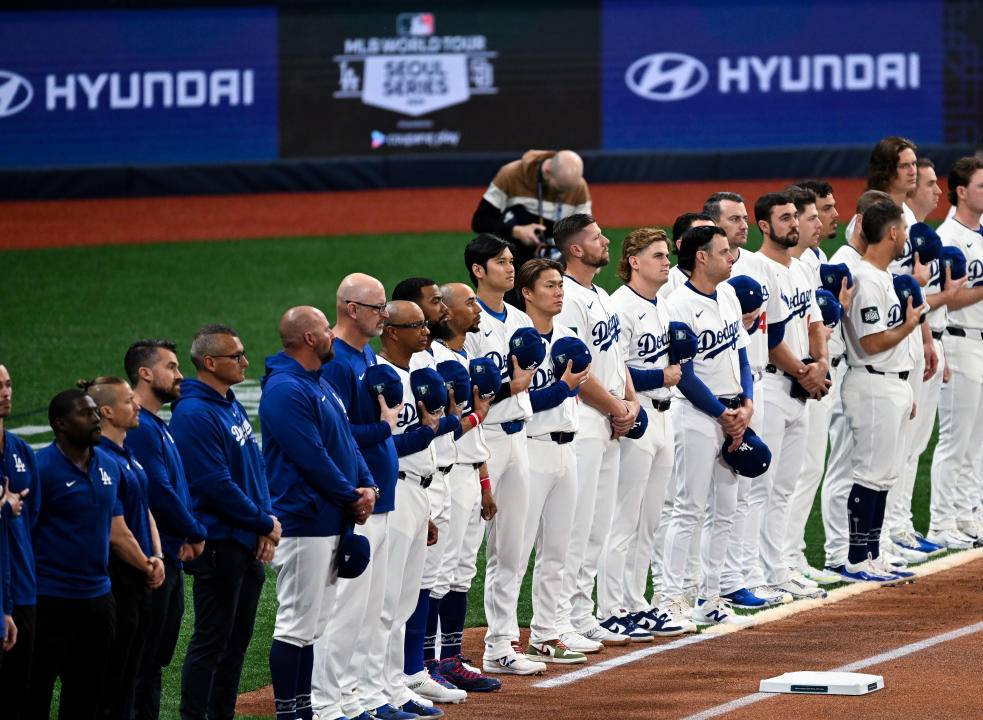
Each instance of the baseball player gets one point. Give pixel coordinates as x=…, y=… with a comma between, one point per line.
x=410, y=530
x=318, y=480
x=488, y=259
x=552, y=467
x=742, y=582
x=877, y=399
x=646, y=463
x=472, y=504
x=682, y=223
x=816, y=221
x=19, y=466
x=792, y=344
x=955, y=493
x=839, y=472
x=608, y=409
x=717, y=403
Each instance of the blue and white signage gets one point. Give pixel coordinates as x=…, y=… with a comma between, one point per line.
x=138, y=86
x=689, y=75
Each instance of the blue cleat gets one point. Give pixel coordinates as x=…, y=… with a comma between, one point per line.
x=745, y=599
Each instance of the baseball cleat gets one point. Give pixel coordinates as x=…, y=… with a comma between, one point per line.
x=421, y=710
x=801, y=579
x=671, y=620
x=881, y=566
x=427, y=686
x=578, y=643
x=799, y=591
x=969, y=528
x=465, y=677
x=820, y=577
x=623, y=625
x=603, y=635
x=716, y=612
x=361, y=716
x=909, y=555
x=951, y=539
x=866, y=572
x=554, y=651
x=512, y=664
x=771, y=596
x=388, y=712
x=745, y=599
x=913, y=541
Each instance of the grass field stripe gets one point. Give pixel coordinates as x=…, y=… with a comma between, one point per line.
x=851, y=667
x=616, y=662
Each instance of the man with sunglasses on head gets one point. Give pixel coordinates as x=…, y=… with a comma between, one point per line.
x=228, y=487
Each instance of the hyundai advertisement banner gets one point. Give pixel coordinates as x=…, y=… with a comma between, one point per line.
x=141, y=86
x=678, y=75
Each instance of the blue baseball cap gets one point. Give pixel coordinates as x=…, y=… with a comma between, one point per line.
x=486, y=375
x=569, y=348
x=428, y=387
x=748, y=292
x=383, y=380
x=924, y=241
x=830, y=307
x=952, y=258
x=353, y=554
x=528, y=347
x=906, y=286
x=457, y=378
x=831, y=276
x=752, y=456
x=683, y=342
x=641, y=423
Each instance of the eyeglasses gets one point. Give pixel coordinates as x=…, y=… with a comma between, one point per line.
x=238, y=357
x=377, y=308
x=410, y=326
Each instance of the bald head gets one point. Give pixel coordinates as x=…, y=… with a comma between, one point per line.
x=360, y=287
x=464, y=312
x=566, y=171
x=298, y=321
x=402, y=312
x=454, y=293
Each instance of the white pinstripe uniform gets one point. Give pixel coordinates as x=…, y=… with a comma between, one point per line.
x=701, y=476
x=786, y=425
x=646, y=463
x=839, y=476
x=508, y=469
x=552, y=498
x=741, y=564
x=955, y=480
x=591, y=315
x=407, y=548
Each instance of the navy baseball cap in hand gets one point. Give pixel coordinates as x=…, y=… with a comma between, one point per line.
x=830, y=307
x=905, y=286
x=569, y=348
x=752, y=456
x=456, y=378
x=831, y=276
x=748, y=292
x=486, y=375
x=952, y=258
x=924, y=241
x=641, y=423
x=683, y=342
x=353, y=554
x=428, y=388
x=383, y=380
x=528, y=347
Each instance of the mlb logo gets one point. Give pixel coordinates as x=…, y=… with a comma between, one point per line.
x=415, y=24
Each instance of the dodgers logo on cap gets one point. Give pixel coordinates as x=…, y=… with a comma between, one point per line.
x=752, y=457
x=641, y=424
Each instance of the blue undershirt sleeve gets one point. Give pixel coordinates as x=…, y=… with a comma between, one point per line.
x=647, y=379
x=694, y=390
x=747, y=380
x=776, y=333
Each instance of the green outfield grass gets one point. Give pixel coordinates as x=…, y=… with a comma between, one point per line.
x=71, y=313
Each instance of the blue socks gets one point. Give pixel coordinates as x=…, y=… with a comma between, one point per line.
x=285, y=663
x=453, y=610
x=877, y=522
x=860, y=516
x=416, y=628
x=430, y=639
x=304, y=709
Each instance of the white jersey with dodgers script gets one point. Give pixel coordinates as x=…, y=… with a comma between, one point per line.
x=444, y=447
x=716, y=320
x=565, y=416
x=589, y=312
x=422, y=463
x=875, y=308
x=471, y=446
x=955, y=234
x=849, y=256
x=772, y=309
x=795, y=287
x=644, y=334
x=492, y=341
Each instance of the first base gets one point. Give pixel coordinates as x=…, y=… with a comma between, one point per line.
x=808, y=682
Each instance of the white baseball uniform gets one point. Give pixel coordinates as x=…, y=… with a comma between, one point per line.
x=646, y=463
x=591, y=315
x=508, y=469
x=701, y=476
x=552, y=496
x=955, y=489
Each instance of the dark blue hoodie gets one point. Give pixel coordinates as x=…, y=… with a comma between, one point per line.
x=312, y=462
x=223, y=464
x=19, y=464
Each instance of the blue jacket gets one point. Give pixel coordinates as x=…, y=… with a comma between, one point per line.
x=170, y=500
x=19, y=464
x=223, y=464
x=6, y=599
x=312, y=462
x=131, y=495
x=71, y=534
x=346, y=373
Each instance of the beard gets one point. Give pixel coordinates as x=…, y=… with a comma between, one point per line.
x=440, y=330
x=790, y=240
x=166, y=394
x=326, y=356
x=597, y=261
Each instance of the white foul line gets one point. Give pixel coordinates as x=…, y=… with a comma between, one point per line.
x=851, y=667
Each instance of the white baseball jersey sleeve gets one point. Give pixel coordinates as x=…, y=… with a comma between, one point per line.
x=644, y=334
x=492, y=341
x=772, y=309
x=565, y=416
x=849, y=256
x=422, y=463
x=955, y=234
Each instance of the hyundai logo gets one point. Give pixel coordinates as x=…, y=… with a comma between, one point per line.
x=15, y=93
x=666, y=76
